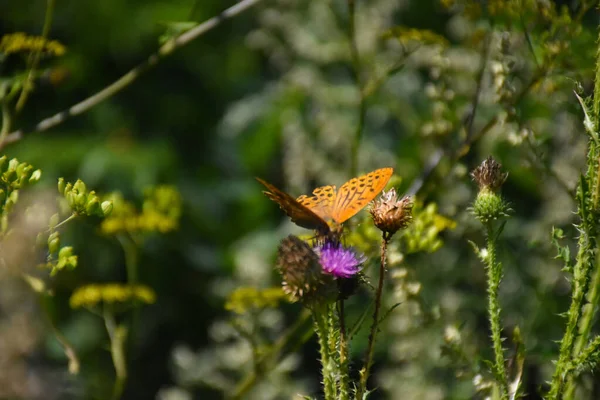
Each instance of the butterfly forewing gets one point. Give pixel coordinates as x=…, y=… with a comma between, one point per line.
x=298, y=213
x=355, y=194
x=321, y=202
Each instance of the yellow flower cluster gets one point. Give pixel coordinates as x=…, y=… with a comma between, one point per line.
x=424, y=232
x=91, y=295
x=244, y=299
x=20, y=42
x=160, y=213
x=411, y=35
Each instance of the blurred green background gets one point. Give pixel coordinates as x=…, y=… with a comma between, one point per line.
x=272, y=93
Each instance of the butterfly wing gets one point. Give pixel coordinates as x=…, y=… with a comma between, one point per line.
x=298, y=213
x=355, y=194
x=321, y=202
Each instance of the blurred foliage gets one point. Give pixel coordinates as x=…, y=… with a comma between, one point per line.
x=275, y=93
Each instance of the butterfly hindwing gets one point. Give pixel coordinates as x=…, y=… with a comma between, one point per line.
x=355, y=194
x=300, y=214
x=321, y=202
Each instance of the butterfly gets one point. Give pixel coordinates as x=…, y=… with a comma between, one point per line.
x=327, y=208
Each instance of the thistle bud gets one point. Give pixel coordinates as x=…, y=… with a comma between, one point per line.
x=489, y=205
x=303, y=277
x=390, y=213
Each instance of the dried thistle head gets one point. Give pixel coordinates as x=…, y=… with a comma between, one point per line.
x=489, y=175
x=303, y=277
x=391, y=213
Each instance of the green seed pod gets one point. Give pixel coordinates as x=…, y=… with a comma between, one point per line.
x=10, y=175
x=68, y=188
x=3, y=162
x=40, y=239
x=53, y=221
x=70, y=196
x=53, y=243
x=107, y=207
x=93, y=206
x=80, y=200
x=80, y=186
x=13, y=164
x=35, y=176
x=61, y=185
x=65, y=252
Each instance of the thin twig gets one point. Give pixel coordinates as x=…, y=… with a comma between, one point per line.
x=168, y=48
x=362, y=104
x=364, y=373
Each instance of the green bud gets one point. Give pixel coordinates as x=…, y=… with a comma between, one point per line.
x=61, y=185
x=93, y=206
x=65, y=252
x=80, y=200
x=13, y=164
x=70, y=196
x=14, y=196
x=489, y=206
x=35, y=176
x=107, y=207
x=53, y=243
x=53, y=221
x=3, y=162
x=10, y=175
x=68, y=188
x=40, y=239
x=2, y=196
x=80, y=186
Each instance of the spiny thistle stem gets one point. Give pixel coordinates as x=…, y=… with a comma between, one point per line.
x=585, y=325
x=580, y=284
x=321, y=318
x=364, y=372
x=344, y=362
x=494, y=271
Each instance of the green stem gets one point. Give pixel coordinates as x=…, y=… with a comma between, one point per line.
x=494, y=271
x=344, y=362
x=366, y=369
x=117, y=335
x=585, y=325
x=321, y=317
x=69, y=350
x=35, y=59
x=580, y=284
x=296, y=335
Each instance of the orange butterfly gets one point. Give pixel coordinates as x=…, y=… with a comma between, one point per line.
x=327, y=209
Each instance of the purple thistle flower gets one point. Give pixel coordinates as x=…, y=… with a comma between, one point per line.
x=339, y=261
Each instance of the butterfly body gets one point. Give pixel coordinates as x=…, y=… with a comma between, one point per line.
x=327, y=208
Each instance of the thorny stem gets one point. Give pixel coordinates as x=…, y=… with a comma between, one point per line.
x=494, y=270
x=321, y=317
x=117, y=335
x=587, y=245
x=165, y=50
x=344, y=364
x=364, y=372
x=35, y=58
